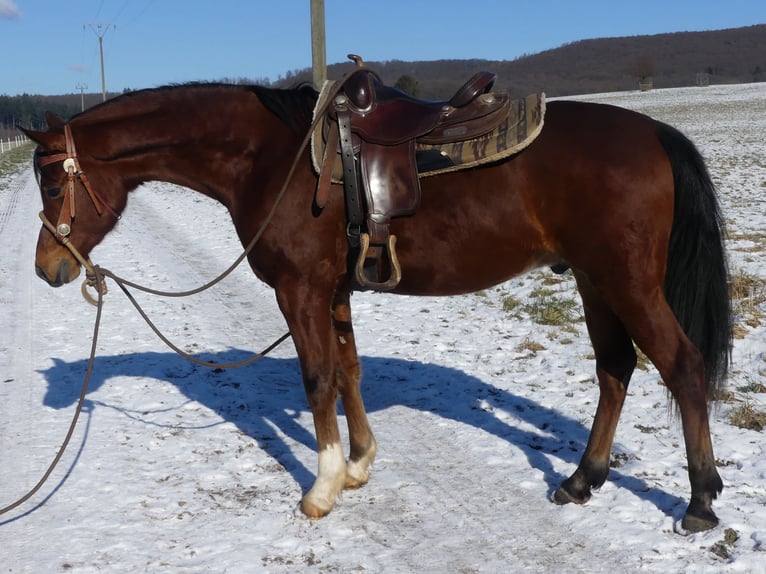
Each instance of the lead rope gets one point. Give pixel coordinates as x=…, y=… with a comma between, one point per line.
x=77, y=412
x=96, y=277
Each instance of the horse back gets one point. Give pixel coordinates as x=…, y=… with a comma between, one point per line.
x=596, y=180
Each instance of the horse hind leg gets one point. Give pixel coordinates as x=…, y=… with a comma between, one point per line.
x=657, y=333
x=615, y=361
x=362, y=442
x=682, y=369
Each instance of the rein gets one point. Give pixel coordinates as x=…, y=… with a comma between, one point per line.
x=95, y=275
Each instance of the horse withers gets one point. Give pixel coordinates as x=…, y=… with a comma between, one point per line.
x=623, y=200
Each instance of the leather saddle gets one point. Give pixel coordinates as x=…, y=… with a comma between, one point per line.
x=375, y=128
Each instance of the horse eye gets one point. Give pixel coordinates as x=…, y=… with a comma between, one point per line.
x=53, y=192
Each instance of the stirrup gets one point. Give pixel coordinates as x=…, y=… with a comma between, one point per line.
x=396, y=272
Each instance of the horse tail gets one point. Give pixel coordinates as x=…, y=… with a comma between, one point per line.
x=697, y=276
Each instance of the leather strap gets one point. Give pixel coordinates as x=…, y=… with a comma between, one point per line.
x=73, y=169
x=325, y=175
x=354, y=210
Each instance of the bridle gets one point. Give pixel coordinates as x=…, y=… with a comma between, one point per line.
x=63, y=227
x=74, y=171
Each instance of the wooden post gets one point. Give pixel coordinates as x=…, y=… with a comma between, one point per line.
x=318, y=57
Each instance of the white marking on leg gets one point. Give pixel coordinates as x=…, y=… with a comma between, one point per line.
x=330, y=478
x=358, y=471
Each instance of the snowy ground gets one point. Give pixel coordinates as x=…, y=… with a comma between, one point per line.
x=479, y=412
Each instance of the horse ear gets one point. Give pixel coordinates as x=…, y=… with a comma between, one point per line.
x=48, y=140
x=54, y=121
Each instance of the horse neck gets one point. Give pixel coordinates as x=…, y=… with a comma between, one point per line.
x=190, y=140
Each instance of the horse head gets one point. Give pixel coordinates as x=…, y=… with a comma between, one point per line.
x=81, y=201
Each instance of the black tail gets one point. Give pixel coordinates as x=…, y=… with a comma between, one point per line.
x=697, y=279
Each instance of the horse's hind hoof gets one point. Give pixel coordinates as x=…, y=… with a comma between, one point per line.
x=563, y=496
x=699, y=522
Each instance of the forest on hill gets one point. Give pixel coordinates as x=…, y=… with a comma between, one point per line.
x=731, y=56
x=736, y=55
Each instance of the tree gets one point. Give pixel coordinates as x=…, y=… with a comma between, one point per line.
x=408, y=85
x=644, y=68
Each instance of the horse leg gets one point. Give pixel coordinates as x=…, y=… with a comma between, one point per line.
x=363, y=446
x=615, y=361
x=307, y=312
x=681, y=366
x=653, y=326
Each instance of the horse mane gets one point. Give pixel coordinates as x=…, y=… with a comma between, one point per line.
x=294, y=106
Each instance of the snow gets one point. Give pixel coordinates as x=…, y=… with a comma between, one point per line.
x=480, y=413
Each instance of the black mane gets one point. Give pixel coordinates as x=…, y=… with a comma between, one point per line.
x=294, y=106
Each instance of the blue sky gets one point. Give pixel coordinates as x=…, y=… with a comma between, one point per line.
x=48, y=46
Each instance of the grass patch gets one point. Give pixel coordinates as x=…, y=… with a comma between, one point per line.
x=748, y=293
x=642, y=361
x=14, y=161
x=752, y=388
x=548, y=307
x=747, y=417
x=510, y=303
x=529, y=345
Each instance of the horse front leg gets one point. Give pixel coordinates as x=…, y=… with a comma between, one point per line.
x=307, y=311
x=363, y=446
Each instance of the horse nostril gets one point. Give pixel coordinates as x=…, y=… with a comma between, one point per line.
x=61, y=277
x=42, y=275
x=63, y=274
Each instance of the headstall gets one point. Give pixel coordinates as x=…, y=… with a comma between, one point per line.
x=72, y=167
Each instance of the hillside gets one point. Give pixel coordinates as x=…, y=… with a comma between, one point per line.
x=736, y=55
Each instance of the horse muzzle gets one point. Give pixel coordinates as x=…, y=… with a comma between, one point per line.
x=61, y=274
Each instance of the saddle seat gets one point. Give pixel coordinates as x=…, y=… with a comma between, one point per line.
x=375, y=128
x=387, y=116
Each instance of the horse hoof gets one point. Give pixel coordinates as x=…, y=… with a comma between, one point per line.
x=358, y=471
x=314, y=510
x=563, y=496
x=699, y=523
x=354, y=482
x=316, y=506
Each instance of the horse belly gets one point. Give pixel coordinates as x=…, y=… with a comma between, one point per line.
x=452, y=260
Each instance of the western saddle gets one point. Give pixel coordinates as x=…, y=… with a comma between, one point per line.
x=375, y=129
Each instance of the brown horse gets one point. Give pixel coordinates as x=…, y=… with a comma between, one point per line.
x=623, y=200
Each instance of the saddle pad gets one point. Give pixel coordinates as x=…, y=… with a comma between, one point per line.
x=519, y=129
x=522, y=125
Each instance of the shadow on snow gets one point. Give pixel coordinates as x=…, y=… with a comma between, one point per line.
x=268, y=395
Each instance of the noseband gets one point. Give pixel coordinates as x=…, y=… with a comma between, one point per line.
x=63, y=227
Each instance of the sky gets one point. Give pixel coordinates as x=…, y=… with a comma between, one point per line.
x=53, y=47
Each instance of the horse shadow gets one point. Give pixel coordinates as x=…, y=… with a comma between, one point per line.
x=268, y=395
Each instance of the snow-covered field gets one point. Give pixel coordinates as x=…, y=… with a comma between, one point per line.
x=480, y=412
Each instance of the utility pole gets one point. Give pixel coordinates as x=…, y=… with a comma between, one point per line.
x=100, y=29
x=82, y=88
x=318, y=57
